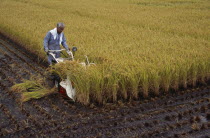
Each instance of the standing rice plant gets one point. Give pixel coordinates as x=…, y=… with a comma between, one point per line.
x=166, y=78
x=155, y=80
x=123, y=86
x=96, y=84
x=145, y=83
x=134, y=83
x=193, y=73
x=113, y=85
x=175, y=78
x=207, y=68
x=202, y=71
x=184, y=76
x=82, y=85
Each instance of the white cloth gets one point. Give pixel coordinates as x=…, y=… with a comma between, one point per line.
x=55, y=35
x=70, y=90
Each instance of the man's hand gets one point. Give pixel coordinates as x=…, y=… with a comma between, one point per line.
x=47, y=51
x=69, y=52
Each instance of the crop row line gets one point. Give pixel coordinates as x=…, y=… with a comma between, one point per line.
x=146, y=124
x=112, y=120
x=12, y=75
x=160, y=103
x=22, y=59
x=22, y=68
x=20, y=51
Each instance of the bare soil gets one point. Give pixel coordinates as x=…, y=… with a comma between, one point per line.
x=182, y=114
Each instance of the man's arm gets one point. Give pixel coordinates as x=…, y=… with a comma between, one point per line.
x=46, y=40
x=64, y=44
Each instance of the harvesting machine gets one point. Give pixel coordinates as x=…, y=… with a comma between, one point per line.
x=66, y=87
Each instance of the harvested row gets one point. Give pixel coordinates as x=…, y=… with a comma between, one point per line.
x=18, y=55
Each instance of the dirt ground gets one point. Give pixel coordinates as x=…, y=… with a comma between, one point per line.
x=182, y=114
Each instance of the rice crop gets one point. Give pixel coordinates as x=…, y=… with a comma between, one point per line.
x=35, y=88
x=140, y=47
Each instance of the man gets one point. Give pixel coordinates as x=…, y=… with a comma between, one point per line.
x=53, y=40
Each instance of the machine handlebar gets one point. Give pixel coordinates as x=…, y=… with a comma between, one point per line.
x=56, y=50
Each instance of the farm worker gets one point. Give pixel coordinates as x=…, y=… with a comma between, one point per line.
x=53, y=40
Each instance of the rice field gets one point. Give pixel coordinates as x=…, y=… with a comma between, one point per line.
x=140, y=47
x=183, y=114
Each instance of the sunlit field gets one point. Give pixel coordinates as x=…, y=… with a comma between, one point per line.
x=140, y=47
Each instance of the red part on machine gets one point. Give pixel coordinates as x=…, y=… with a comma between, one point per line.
x=62, y=90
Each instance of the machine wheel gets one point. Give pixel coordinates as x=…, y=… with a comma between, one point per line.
x=56, y=80
x=60, y=89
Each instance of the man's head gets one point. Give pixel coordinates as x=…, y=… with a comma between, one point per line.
x=60, y=27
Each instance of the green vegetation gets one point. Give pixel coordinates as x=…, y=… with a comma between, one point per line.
x=32, y=89
x=141, y=47
x=26, y=96
x=27, y=85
